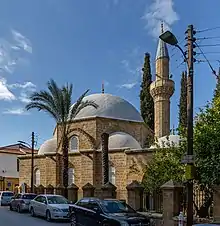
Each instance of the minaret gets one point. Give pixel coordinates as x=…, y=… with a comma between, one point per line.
x=161, y=90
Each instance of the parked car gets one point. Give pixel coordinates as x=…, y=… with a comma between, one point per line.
x=52, y=207
x=107, y=212
x=20, y=202
x=5, y=197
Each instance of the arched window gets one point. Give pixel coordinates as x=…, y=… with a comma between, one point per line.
x=74, y=143
x=37, y=177
x=112, y=174
x=71, y=176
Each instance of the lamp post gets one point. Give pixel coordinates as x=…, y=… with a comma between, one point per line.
x=170, y=38
x=32, y=159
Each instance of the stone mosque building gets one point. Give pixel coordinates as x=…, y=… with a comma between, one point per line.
x=127, y=135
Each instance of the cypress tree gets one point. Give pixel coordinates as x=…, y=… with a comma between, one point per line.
x=183, y=105
x=217, y=88
x=146, y=100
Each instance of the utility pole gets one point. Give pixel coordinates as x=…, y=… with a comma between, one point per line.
x=190, y=163
x=32, y=162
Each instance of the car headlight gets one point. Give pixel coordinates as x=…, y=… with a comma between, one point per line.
x=56, y=210
x=124, y=223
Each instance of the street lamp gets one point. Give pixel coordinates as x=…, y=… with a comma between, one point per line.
x=32, y=160
x=169, y=38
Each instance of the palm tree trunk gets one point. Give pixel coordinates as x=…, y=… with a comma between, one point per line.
x=65, y=165
x=105, y=162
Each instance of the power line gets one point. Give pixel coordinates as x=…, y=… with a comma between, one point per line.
x=204, y=38
x=208, y=29
x=210, y=45
x=209, y=52
x=213, y=71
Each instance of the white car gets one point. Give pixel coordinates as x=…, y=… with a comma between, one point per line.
x=52, y=207
x=5, y=197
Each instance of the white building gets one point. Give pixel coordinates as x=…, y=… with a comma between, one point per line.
x=9, y=165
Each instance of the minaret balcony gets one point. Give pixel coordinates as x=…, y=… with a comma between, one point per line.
x=162, y=87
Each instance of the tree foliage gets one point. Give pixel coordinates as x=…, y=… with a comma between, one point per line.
x=146, y=100
x=183, y=106
x=207, y=143
x=165, y=165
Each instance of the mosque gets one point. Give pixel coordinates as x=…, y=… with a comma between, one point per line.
x=127, y=135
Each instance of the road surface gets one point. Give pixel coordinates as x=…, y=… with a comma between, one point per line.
x=11, y=218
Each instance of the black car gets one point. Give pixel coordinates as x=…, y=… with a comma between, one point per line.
x=107, y=212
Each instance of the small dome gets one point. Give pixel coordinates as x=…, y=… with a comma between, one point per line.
x=167, y=141
x=122, y=140
x=109, y=106
x=49, y=146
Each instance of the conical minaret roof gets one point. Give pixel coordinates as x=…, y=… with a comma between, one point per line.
x=162, y=51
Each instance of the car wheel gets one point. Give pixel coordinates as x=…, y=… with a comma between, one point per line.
x=18, y=209
x=32, y=212
x=10, y=207
x=48, y=215
x=73, y=221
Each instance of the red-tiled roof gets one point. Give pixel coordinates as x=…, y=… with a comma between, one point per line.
x=18, y=149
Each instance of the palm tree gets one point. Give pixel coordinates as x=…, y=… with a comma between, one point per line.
x=57, y=101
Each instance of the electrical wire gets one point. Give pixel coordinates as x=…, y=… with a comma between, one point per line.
x=209, y=45
x=213, y=71
x=208, y=29
x=209, y=53
x=205, y=38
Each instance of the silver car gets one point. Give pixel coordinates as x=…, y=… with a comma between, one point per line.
x=5, y=197
x=52, y=207
x=20, y=202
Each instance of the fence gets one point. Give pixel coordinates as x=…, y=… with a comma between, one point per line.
x=202, y=201
x=153, y=202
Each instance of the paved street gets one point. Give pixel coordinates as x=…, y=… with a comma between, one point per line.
x=8, y=218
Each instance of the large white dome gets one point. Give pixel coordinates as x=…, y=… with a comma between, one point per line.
x=109, y=106
x=48, y=147
x=122, y=140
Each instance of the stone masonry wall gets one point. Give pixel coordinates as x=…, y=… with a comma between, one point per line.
x=87, y=166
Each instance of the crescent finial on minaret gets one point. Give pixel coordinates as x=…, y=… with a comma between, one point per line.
x=103, y=87
x=162, y=30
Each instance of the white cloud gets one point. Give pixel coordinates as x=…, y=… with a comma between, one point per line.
x=11, y=51
x=26, y=89
x=24, y=97
x=160, y=10
x=26, y=85
x=128, y=85
x=5, y=93
x=16, y=111
x=21, y=42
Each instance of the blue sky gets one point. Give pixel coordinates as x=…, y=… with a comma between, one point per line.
x=86, y=42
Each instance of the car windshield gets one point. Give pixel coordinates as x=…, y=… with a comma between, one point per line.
x=57, y=200
x=28, y=196
x=114, y=206
x=7, y=194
